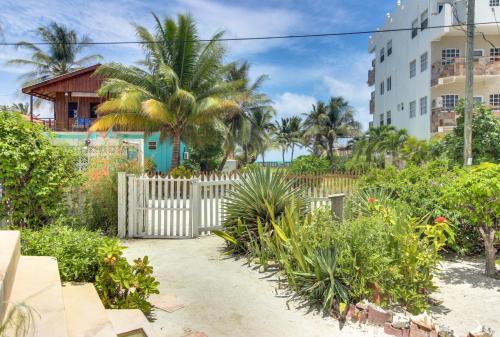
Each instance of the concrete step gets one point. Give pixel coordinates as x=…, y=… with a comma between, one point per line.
x=37, y=285
x=10, y=251
x=130, y=322
x=85, y=313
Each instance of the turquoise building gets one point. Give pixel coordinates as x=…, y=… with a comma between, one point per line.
x=160, y=153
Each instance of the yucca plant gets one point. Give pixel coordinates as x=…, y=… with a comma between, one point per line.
x=260, y=195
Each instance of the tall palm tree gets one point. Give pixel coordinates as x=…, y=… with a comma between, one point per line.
x=393, y=143
x=283, y=135
x=259, y=136
x=236, y=127
x=296, y=133
x=369, y=145
x=22, y=108
x=313, y=125
x=60, y=56
x=328, y=122
x=180, y=85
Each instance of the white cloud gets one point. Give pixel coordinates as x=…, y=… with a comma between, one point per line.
x=289, y=104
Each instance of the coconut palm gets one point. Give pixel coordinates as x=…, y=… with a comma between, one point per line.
x=60, y=56
x=296, y=133
x=259, y=136
x=369, y=145
x=329, y=122
x=237, y=126
x=180, y=85
x=313, y=124
x=283, y=135
x=22, y=108
x=393, y=143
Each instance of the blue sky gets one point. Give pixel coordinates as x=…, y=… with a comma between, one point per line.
x=301, y=71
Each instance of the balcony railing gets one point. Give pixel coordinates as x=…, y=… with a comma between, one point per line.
x=372, y=103
x=71, y=124
x=456, y=67
x=371, y=77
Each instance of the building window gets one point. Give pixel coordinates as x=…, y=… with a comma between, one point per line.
x=389, y=83
x=449, y=101
x=93, y=109
x=424, y=61
x=423, y=105
x=152, y=145
x=382, y=55
x=381, y=119
x=382, y=88
x=495, y=100
x=494, y=2
x=478, y=99
x=389, y=121
x=440, y=8
x=414, y=28
x=72, y=109
x=495, y=54
x=389, y=47
x=449, y=55
x=413, y=68
x=413, y=109
x=424, y=19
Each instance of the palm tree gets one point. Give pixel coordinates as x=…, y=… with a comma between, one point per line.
x=259, y=135
x=393, y=143
x=296, y=133
x=60, y=56
x=22, y=108
x=180, y=85
x=283, y=135
x=236, y=127
x=369, y=145
x=328, y=122
x=313, y=124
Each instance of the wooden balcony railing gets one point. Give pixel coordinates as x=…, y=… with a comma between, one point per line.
x=456, y=67
x=71, y=124
x=372, y=103
x=371, y=77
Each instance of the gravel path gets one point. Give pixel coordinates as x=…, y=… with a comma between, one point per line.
x=224, y=297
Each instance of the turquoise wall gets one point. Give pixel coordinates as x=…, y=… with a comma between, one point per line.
x=162, y=156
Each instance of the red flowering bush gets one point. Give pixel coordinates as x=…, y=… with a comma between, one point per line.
x=371, y=200
x=440, y=219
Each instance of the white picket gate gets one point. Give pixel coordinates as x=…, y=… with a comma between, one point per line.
x=156, y=207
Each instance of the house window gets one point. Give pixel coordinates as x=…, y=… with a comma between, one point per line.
x=382, y=88
x=413, y=68
x=495, y=54
x=478, y=99
x=413, y=109
x=448, y=55
x=424, y=19
x=93, y=110
x=449, y=101
x=494, y=3
x=440, y=8
x=389, y=121
x=424, y=61
x=495, y=100
x=72, y=109
x=389, y=47
x=414, y=28
x=381, y=119
x=477, y=53
x=152, y=145
x=423, y=105
x=382, y=55
x=389, y=83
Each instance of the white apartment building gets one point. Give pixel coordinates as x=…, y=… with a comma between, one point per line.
x=418, y=76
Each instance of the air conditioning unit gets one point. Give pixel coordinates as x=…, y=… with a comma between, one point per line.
x=437, y=103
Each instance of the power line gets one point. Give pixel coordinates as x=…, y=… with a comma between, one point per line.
x=251, y=38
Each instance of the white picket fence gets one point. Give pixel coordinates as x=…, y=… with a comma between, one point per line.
x=164, y=207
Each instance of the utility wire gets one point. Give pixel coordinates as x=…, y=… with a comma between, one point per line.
x=272, y=37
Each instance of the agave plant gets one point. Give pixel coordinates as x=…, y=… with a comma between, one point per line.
x=260, y=195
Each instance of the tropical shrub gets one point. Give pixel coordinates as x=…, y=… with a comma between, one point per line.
x=309, y=164
x=257, y=196
x=250, y=167
x=34, y=174
x=475, y=194
x=74, y=248
x=181, y=171
x=100, y=191
x=122, y=285
x=486, y=131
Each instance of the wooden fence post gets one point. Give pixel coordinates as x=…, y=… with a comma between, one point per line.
x=132, y=197
x=122, y=204
x=195, y=214
x=337, y=202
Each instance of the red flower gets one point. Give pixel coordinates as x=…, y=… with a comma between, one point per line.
x=372, y=199
x=440, y=219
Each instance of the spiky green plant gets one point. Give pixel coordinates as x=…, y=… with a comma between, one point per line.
x=259, y=195
x=19, y=321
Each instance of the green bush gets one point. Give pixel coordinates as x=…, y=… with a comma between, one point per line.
x=475, y=194
x=258, y=195
x=309, y=164
x=34, y=174
x=250, y=167
x=181, y=172
x=122, y=285
x=74, y=248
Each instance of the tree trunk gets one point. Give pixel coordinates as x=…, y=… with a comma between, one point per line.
x=176, y=151
x=488, y=235
x=291, y=157
x=283, y=155
x=223, y=162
